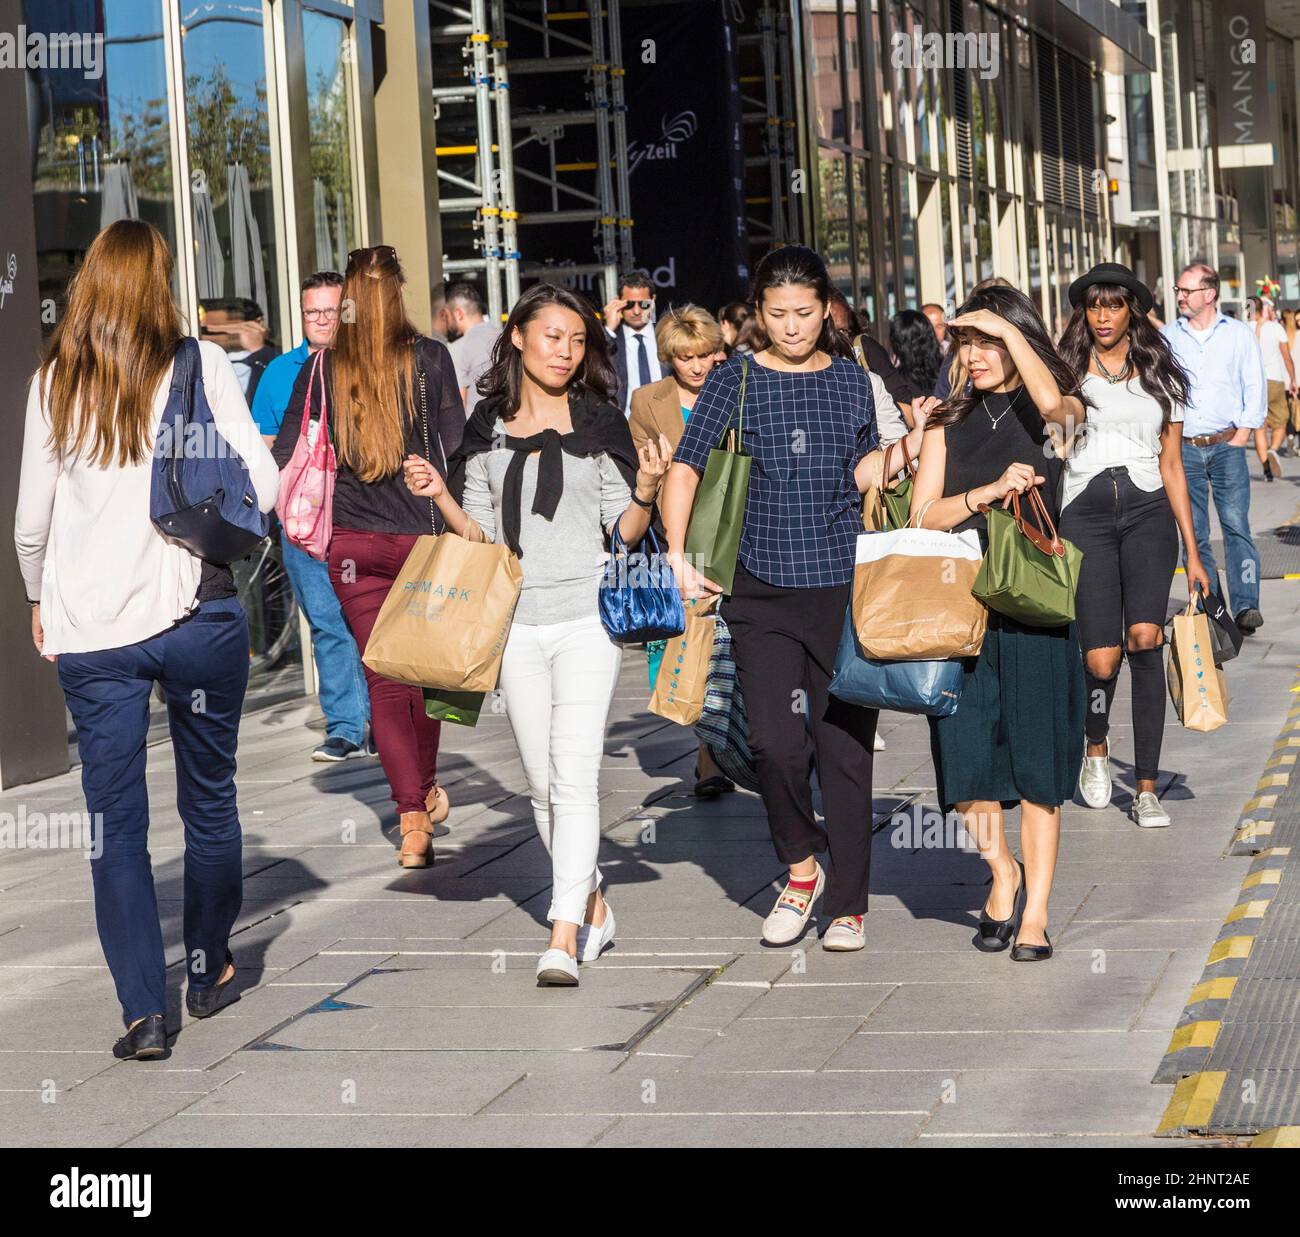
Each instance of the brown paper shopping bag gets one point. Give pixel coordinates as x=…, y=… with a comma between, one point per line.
x=1196, y=685
x=912, y=595
x=684, y=672
x=445, y=621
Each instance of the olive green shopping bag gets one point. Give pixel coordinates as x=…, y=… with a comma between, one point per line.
x=1029, y=574
x=713, y=535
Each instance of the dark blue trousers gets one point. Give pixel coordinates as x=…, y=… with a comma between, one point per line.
x=202, y=665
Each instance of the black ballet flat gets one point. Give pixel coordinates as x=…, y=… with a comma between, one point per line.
x=206, y=1003
x=995, y=935
x=1032, y=953
x=143, y=1042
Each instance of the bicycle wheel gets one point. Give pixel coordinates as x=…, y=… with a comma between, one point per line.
x=268, y=600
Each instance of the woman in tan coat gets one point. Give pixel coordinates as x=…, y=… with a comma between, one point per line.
x=689, y=341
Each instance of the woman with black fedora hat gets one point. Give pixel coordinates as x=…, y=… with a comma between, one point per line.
x=1124, y=502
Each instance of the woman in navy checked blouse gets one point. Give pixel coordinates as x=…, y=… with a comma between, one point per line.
x=810, y=425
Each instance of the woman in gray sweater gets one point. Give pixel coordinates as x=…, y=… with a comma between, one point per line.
x=547, y=467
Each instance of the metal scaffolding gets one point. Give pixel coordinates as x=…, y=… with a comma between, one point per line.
x=501, y=131
x=774, y=115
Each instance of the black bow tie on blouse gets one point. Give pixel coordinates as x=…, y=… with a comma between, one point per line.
x=550, y=475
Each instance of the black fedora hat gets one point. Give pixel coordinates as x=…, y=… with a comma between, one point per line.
x=1112, y=273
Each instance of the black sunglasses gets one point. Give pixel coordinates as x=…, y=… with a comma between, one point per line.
x=383, y=252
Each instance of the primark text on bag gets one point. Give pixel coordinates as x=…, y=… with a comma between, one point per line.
x=445, y=621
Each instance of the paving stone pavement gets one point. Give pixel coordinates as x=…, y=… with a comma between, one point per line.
x=384, y=1007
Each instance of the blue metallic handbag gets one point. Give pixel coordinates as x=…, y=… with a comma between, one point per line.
x=639, y=600
x=931, y=688
x=201, y=495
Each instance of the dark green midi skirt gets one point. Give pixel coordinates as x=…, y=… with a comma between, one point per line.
x=1018, y=729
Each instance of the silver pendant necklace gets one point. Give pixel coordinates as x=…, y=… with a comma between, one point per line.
x=1000, y=415
x=1124, y=369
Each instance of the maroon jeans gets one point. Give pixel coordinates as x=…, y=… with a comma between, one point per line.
x=362, y=568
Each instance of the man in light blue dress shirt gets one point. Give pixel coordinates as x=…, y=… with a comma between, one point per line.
x=1229, y=399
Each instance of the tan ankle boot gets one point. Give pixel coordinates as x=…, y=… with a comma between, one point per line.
x=437, y=804
x=417, y=840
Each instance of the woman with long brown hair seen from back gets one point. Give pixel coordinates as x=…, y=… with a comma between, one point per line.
x=392, y=393
x=119, y=609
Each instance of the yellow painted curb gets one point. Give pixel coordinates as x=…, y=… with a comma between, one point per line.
x=1281, y=759
x=1193, y=1101
x=1270, y=780
x=1213, y=990
x=1194, y=1035
x=1268, y=876
x=1259, y=801
x=1293, y=741
x=1230, y=947
x=1252, y=830
x=1275, y=852
x=1278, y=1136
x=1248, y=910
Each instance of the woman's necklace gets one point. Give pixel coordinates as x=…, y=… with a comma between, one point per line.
x=1000, y=415
x=1124, y=371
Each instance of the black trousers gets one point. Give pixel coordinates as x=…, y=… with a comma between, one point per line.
x=784, y=641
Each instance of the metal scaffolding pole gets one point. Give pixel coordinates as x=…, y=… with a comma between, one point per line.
x=509, y=208
x=622, y=183
x=772, y=123
x=604, y=180
x=489, y=209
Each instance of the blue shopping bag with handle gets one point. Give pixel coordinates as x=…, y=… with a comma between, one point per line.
x=639, y=599
x=201, y=495
x=931, y=688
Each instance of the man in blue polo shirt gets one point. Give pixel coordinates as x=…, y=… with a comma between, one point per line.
x=1229, y=399
x=343, y=695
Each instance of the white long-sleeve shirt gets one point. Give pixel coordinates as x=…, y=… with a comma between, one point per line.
x=88, y=552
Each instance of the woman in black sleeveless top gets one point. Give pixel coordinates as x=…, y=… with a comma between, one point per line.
x=1017, y=735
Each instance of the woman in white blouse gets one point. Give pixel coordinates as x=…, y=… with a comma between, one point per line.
x=1124, y=503
x=119, y=609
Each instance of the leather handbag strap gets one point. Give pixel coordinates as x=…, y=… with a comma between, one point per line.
x=1044, y=537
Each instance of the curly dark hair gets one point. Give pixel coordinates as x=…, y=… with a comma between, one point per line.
x=1149, y=353
x=1015, y=307
x=915, y=345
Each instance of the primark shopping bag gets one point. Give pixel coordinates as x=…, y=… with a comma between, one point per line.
x=445, y=621
x=1197, y=686
x=684, y=672
x=713, y=535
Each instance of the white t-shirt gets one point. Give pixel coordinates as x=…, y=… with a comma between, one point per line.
x=1202, y=333
x=1272, y=339
x=1122, y=429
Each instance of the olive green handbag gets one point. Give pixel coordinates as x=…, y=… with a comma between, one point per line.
x=713, y=535
x=898, y=497
x=1029, y=574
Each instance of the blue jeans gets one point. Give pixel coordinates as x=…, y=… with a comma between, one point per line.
x=1222, y=469
x=341, y=680
x=202, y=665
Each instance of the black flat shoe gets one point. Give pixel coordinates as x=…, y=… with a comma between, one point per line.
x=995, y=935
x=712, y=787
x=144, y=1041
x=1032, y=953
x=205, y=1003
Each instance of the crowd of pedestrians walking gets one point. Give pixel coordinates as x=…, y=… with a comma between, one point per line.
x=560, y=436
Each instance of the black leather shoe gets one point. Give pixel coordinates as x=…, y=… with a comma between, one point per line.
x=1250, y=621
x=205, y=1003
x=996, y=934
x=144, y=1041
x=1032, y=953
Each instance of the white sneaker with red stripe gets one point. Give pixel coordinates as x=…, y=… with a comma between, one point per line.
x=845, y=934
x=792, y=911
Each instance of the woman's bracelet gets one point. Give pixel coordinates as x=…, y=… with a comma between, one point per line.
x=966, y=499
x=645, y=506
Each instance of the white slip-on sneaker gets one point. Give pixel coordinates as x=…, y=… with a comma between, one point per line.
x=1147, y=812
x=878, y=744
x=793, y=909
x=1094, y=779
x=593, y=941
x=557, y=969
x=845, y=934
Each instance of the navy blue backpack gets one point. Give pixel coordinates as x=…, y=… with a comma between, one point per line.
x=202, y=496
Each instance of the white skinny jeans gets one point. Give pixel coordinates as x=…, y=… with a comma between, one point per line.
x=558, y=680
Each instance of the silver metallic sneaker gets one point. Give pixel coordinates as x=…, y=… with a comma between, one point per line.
x=1147, y=812
x=1094, y=780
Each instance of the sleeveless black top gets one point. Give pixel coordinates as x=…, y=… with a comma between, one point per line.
x=1002, y=429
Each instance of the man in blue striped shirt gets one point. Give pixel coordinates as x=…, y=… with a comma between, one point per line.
x=1228, y=401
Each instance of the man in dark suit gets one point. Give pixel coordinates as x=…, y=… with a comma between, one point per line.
x=629, y=326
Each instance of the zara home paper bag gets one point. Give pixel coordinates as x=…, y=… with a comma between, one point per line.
x=684, y=672
x=1197, y=686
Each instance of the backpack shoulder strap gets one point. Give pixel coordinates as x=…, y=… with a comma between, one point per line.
x=859, y=353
